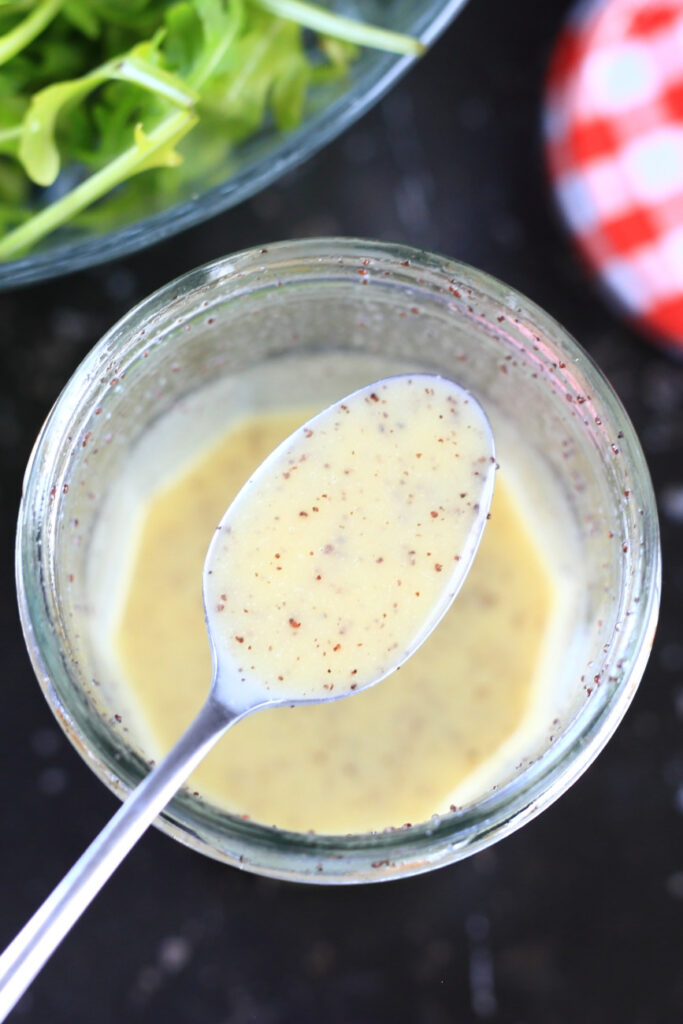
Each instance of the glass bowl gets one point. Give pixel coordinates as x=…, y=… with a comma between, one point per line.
x=257, y=162
x=310, y=320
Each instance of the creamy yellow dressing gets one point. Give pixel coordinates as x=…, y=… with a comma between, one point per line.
x=347, y=546
x=393, y=754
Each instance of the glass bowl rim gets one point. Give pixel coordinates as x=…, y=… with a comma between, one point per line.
x=396, y=852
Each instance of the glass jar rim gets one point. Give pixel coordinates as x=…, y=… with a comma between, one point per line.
x=419, y=847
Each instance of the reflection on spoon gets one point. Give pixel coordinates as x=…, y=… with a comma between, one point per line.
x=333, y=564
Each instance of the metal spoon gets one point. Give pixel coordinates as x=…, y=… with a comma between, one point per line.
x=332, y=565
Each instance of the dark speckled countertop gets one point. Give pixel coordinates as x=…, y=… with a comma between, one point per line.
x=576, y=918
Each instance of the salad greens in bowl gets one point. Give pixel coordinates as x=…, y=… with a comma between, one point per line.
x=125, y=121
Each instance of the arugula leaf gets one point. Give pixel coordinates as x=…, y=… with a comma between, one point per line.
x=38, y=150
x=109, y=89
x=153, y=150
x=82, y=16
x=220, y=27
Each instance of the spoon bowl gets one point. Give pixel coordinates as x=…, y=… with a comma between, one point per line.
x=348, y=544
x=397, y=482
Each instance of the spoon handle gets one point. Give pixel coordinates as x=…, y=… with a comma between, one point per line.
x=38, y=939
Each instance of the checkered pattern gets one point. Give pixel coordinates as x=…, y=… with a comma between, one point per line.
x=614, y=141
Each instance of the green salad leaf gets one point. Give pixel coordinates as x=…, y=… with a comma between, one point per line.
x=95, y=92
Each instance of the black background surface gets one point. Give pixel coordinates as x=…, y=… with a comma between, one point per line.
x=579, y=916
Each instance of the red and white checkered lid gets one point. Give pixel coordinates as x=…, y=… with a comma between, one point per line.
x=614, y=141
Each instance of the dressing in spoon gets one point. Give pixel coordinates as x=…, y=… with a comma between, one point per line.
x=332, y=565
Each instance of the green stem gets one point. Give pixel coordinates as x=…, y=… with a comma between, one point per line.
x=14, y=41
x=97, y=185
x=7, y=134
x=213, y=55
x=329, y=24
x=255, y=57
x=147, y=76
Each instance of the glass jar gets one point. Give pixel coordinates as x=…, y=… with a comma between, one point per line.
x=307, y=321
